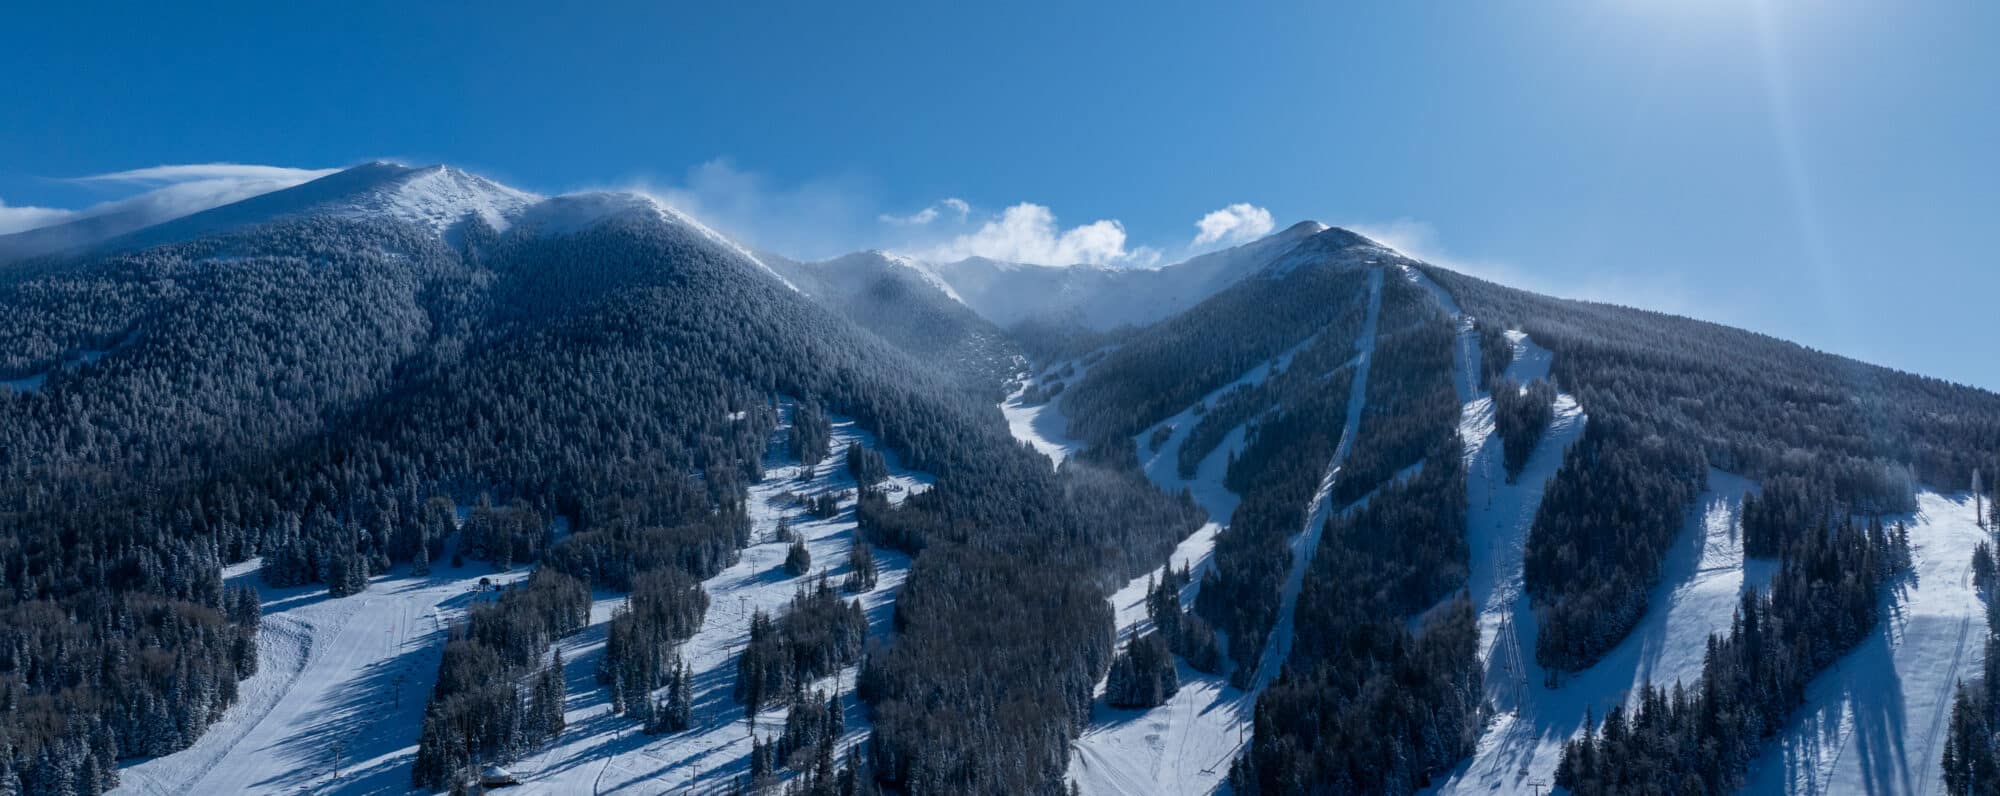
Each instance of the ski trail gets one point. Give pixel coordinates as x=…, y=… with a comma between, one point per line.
x=1185, y=746
x=1518, y=753
x=1874, y=722
x=1307, y=541
x=339, y=692
x=1701, y=582
x=605, y=753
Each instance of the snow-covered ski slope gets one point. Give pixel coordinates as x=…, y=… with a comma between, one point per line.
x=1701, y=581
x=339, y=691
x=341, y=684
x=1306, y=542
x=1872, y=725
x=1875, y=722
x=1042, y=424
x=604, y=753
x=1185, y=746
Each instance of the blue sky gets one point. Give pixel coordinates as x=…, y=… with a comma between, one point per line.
x=1825, y=171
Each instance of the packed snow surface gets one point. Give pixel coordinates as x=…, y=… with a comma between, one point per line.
x=1875, y=722
x=341, y=684
x=1042, y=423
x=1185, y=746
x=605, y=753
x=1702, y=579
x=339, y=691
x=1872, y=725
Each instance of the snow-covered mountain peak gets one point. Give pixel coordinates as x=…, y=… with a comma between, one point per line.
x=1332, y=246
x=922, y=269
x=438, y=197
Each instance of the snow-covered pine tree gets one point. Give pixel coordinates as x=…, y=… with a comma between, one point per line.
x=798, y=560
x=862, y=575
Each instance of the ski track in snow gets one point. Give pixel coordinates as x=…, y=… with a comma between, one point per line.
x=1701, y=581
x=1306, y=542
x=1871, y=725
x=1043, y=425
x=1874, y=723
x=359, y=670
x=1185, y=746
x=348, y=675
x=603, y=753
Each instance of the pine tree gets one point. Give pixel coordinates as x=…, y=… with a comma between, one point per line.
x=676, y=710
x=862, y=574
x=420, y=564
x=798, y=560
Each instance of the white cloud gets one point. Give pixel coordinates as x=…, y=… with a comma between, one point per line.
x=1237, y=223
x=1028, y=233
x=178, y=190
x=18, y=219
x=191, y=172
x=823, y=217
x=917, y=219
x=952, y=205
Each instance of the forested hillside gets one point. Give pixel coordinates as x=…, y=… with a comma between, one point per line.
x=307, y=389
x=1669, y=396
x=902, y=302
x=365, y=374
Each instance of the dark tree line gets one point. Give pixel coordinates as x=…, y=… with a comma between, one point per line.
x=506, y=536
x=1787, y=504
x=1755, y=404
x=615, y=558
x=1365, y=704
x=1278, y=474
x=1143, y=674
x=817, y=635
x=1185, y=632
x=861, y=571
x=1972, y=742
x=1410, y=402
x=1387, y=721
x=1293, y=382
x=495, y=698
x=1701, y=737
x=665, y=608
x=1521, y=412
x=621, y=378
x=867, y=467
x=1496, y=352
x=1001, y=635
x=811, y=434
x=1593, y=555
x=1174, y=363
x=1668, y=396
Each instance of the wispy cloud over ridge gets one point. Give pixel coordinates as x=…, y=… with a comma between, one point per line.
x=175, y=191
x=958, y=209
x=192, y=172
